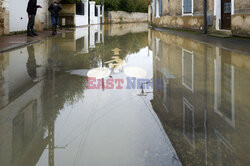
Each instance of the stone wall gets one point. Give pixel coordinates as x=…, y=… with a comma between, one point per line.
x=42, y=19
x=179, y=22
x=123, y=29
x=1, y=18
x=4, y=19
x=173, y=8
x=242, y=7
x=124, y=17
x=240, y=25
x=172, y=17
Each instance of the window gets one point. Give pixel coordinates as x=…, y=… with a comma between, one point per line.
x=188, y=69
x=79, y=8
x=80, y=44
x=96, y=11
x=224, y=150
x=24, y=127
x=188, y=122
x=18, y=135
x=224, y=102
x=187, y=7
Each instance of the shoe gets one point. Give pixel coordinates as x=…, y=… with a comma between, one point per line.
x=30, y=35
x=35, y=34
x=54, y=31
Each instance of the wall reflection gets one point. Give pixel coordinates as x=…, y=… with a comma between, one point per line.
x=35, y=87
x=33, y=93
x=21, y=120
x=203, y=104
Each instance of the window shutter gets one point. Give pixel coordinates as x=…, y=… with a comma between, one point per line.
x=187, y=6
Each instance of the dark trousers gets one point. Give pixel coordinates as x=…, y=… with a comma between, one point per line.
x=31, y=23
x=55, y=21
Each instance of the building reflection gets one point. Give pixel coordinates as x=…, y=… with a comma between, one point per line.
x=35, y=86
x=22, y=138
x=32, y=94
x=203, y=104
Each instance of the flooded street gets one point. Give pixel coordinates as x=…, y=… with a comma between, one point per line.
x=124, y=95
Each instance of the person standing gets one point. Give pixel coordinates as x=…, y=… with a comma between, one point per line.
x=31, y=10
x=54, y=9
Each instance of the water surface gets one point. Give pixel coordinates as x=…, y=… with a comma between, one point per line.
x=197, y=116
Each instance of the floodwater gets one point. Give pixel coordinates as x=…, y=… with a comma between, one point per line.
x=58, y=107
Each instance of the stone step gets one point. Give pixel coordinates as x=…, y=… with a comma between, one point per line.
x=221, y=33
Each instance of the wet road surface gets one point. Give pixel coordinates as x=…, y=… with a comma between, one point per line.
x=87, y=98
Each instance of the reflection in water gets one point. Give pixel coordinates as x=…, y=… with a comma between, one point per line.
x=49, y=117
x=52, y=116
x=203, y=105
x=31, y=63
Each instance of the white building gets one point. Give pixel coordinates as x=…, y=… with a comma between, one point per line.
x=15, y=16
x=83, y=19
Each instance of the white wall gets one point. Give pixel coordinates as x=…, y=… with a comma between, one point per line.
x=93, y=29
x=81, y=20
x=7, y=115
x=18, y=15
x=18, y=18
x=93, y=18
x=16, y=79
x=83, y=33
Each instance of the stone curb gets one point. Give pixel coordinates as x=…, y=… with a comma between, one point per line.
x=18, y=46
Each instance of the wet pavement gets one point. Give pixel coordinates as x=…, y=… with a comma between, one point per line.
x=87, y=98
x=10, y=42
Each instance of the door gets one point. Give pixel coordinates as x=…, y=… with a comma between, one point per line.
x=226, y=14
x=18, y=16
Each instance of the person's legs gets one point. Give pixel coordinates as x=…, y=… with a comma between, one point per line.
x=30, y=25
x=57, y=22
x=53, y=19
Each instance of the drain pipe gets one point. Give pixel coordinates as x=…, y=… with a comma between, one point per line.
x=205, y=17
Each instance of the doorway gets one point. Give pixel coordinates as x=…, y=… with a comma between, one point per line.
x=226, y=14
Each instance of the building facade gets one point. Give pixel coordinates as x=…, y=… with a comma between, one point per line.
x=13, y=15
x=222, y=15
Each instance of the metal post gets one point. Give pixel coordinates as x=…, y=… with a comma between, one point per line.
x=205, y=17
x=205, y=102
